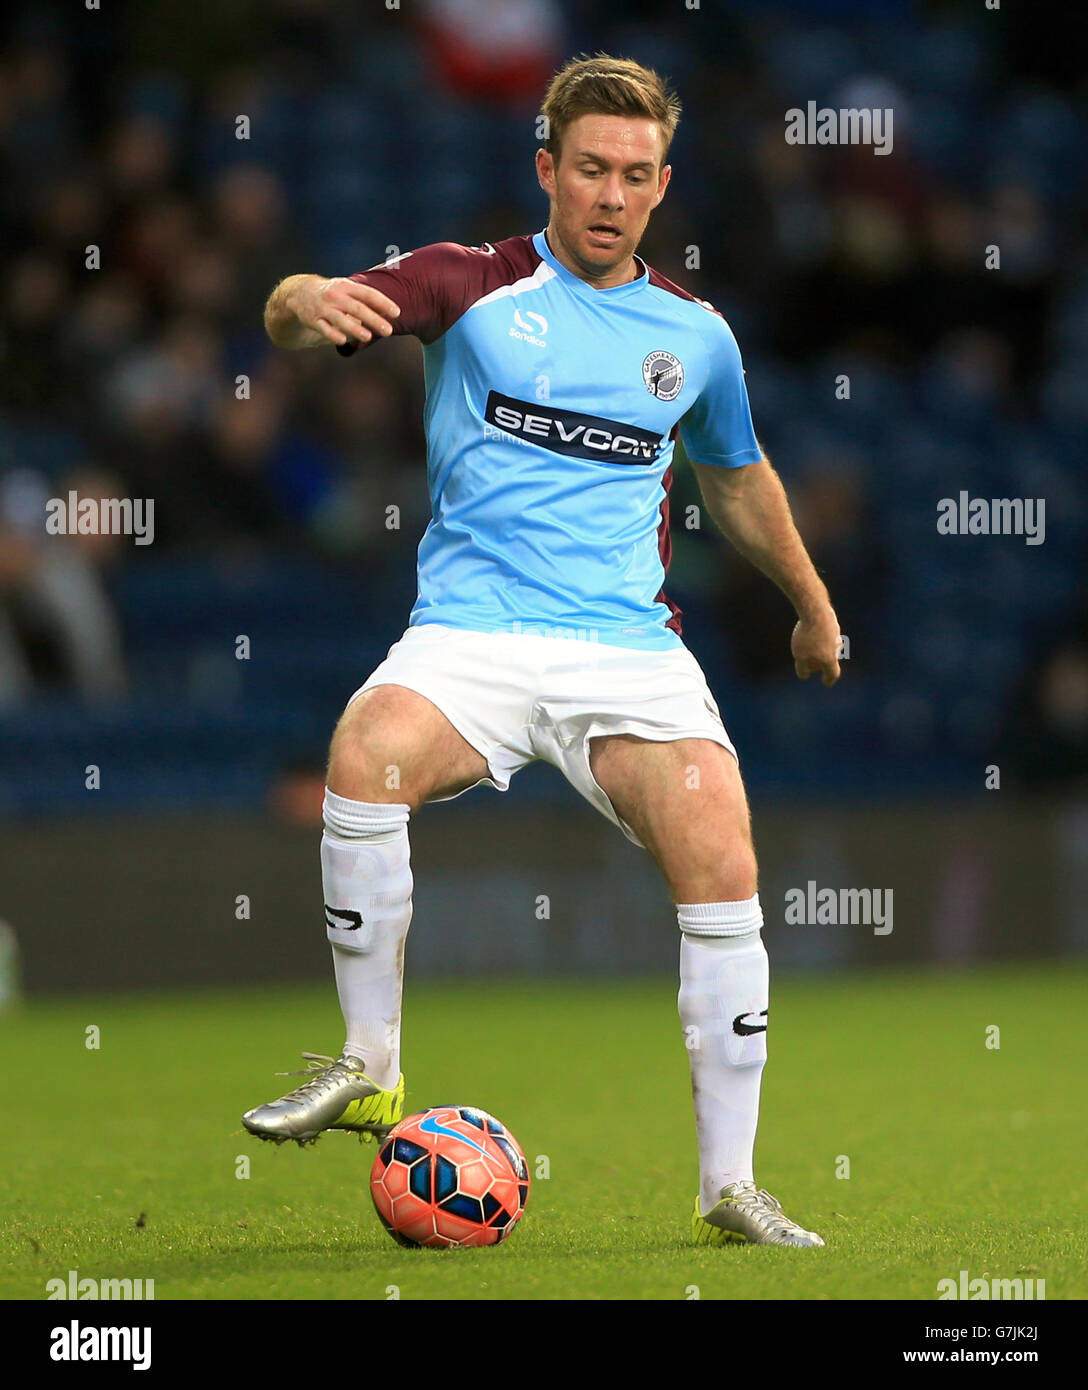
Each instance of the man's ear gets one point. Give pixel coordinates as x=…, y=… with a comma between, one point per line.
x=663, y=183
x=545, y=170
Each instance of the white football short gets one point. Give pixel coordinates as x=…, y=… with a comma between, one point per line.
x=517, y=697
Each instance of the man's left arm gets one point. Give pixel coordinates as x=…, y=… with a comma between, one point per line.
x=750, y=507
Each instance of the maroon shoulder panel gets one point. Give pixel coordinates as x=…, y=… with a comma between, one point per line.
x=663, y=283
x=436, y=284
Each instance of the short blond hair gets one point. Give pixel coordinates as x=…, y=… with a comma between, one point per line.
x=607, y=86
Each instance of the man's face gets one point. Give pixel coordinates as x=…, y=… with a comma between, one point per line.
x=608, y=180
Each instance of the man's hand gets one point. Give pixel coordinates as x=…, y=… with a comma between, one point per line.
x=306, y=310
x=815, y=645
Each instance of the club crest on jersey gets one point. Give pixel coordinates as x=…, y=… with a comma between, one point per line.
x=663, y=374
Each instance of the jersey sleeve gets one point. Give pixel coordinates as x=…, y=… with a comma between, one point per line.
x=430, y=285
x=718, y=428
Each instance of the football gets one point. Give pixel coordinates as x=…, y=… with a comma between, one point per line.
x=449, y=1176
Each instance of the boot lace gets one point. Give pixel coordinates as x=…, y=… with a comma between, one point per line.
x=325, y=1073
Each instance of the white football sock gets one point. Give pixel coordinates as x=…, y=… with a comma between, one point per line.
x=723, y=1008
x=367, y=880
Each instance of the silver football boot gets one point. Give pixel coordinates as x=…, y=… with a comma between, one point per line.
x=338, y=1095
x=747, y=1213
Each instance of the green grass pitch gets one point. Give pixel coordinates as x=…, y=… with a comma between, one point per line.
x=961, y=1156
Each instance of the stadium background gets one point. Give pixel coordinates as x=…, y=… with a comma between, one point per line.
x=371, y=129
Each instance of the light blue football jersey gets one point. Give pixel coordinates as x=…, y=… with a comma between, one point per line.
x=551, y=416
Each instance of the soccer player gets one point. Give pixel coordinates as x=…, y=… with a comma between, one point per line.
x=560, y=370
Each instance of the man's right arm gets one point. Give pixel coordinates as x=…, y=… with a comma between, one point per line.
x=307, y=310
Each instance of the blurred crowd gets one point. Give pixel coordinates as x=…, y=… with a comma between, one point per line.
x=173, y=163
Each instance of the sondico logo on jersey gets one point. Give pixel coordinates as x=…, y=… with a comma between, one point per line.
x=529, y=328
x=569, y=432
x=663, y=374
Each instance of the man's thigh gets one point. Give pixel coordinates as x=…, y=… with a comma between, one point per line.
x=685, y=800
x=393, y=745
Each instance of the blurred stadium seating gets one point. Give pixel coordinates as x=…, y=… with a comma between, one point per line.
x=118, y=129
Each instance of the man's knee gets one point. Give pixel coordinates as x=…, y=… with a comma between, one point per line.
x=724, y=870
x=371, y=753
x=740, y=876
x=707, y=848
